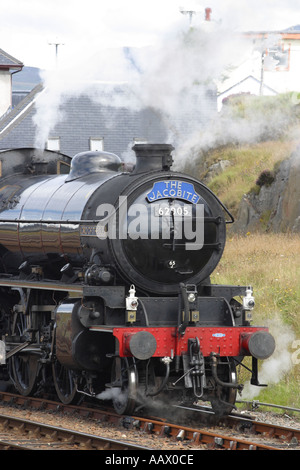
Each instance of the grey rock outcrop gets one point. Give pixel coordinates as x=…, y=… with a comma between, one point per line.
x=216, y=169
x=276, y=207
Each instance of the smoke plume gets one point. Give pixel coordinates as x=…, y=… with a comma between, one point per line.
x=176, y=78
x=279, y=364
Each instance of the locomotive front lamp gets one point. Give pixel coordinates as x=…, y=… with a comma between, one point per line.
x=131, y=300
x=191, y=297
x=248, y=300
x=131, y=305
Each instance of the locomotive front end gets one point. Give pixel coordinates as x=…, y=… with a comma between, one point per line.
x=182, y=335
x=106, y=279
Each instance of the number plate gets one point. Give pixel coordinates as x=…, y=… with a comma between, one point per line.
x=174, y=210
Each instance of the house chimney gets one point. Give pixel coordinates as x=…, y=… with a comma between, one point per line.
x=207, y=14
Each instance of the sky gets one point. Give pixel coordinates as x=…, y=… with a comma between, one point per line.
x=30, y=28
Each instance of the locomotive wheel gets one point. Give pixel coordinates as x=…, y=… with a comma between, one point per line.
x=24, y=367
x=224, y=403
x=125, y=385
x=64, y=383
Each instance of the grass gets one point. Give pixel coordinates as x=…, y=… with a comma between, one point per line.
x=247, y=163
x=271, y=264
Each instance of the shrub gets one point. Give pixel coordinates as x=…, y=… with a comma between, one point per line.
x=265, y=178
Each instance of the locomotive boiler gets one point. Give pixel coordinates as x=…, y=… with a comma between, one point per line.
x=105, y=282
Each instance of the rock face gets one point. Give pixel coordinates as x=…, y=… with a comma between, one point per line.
x=216, y=169
x=277, y=207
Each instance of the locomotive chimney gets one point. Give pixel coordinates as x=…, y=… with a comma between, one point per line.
x=150, y=157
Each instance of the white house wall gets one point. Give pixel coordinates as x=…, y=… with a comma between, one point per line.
x=286, y=80
x=246, y=77
x=5, y=91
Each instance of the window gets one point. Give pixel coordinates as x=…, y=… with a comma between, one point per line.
x=277, y=59
x=96, y=144
x=53, y=143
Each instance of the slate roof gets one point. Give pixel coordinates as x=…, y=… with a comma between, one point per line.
x=292, y=29
x=84, y=118
x=8, y=61
x=10, y=120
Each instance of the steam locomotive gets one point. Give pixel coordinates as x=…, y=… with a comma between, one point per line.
x=105, y=282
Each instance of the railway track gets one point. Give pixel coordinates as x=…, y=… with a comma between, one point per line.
x=23, y=434
x=260, y=436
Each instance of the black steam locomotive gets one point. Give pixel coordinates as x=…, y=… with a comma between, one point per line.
x=105, y=282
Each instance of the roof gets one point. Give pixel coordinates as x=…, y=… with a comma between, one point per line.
x=85, y=117
x=10, y=120
x=7, y=61
x=82, y=119
x=292, y=32
x=292, y=29
x=26, y=80
x=249, y=78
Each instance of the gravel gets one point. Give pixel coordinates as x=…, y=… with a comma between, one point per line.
x=91, y=426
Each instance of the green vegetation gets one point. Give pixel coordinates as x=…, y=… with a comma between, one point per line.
x=247, y=163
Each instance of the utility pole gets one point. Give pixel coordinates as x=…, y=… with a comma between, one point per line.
x=261, y=87
x=190, y=13
x=56, y=44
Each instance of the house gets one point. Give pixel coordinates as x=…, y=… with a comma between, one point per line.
x=280, y=57
x=249, y=85
x=8, y=66
x=273, y=67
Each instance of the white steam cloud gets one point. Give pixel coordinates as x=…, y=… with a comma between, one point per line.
x=279, y=364
x=114, y=393
x=176, y=79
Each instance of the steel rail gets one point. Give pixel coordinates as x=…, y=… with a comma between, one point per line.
x=285, y=436
x=35, y=435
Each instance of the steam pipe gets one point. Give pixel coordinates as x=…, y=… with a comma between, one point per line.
x=214, y=363
x=186, y=309
x=164, y=382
